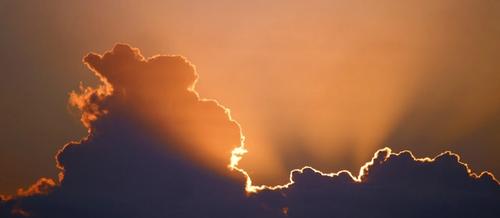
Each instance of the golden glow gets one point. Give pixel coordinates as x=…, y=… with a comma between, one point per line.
x=236, y=156
x=325, y=82
x=42, y=186
x=172, y=106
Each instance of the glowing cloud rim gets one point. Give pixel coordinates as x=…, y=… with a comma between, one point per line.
x=250, y=188
x=45, y=185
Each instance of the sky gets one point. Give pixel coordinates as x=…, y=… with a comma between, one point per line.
x=324, y=84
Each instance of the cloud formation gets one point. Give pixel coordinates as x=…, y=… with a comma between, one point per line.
x=391, y=185
x=148, y=149
x=156, y=149
x=360, y=75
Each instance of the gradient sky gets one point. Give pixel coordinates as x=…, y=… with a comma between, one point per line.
x=323, y=84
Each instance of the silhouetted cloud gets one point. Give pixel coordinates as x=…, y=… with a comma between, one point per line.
x=155, y=149
x=390, y=185
x=138, y=159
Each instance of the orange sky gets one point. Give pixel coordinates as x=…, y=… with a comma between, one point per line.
x=323, y=84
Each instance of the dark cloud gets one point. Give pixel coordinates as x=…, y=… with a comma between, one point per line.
x=155, y=149
x=391, y=185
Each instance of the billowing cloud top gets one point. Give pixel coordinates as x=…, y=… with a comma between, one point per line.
x=158, y=93
x=391, y=185
x=156, y=149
